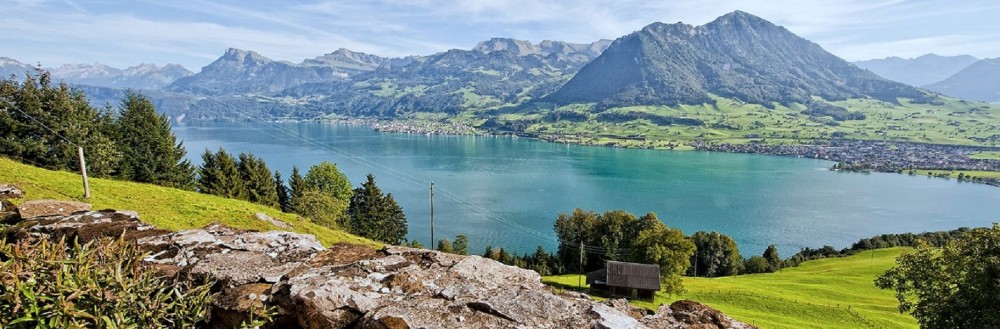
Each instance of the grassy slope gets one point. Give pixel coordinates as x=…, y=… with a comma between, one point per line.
x=814, y=295
x=163, y=207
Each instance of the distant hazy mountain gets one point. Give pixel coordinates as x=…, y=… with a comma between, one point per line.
x=241, y=72
x=346, y=63
x=11, y=67
x=559, y=50
x=738, y=55
x=920, y=71
x=143, y=76
x=980, y=82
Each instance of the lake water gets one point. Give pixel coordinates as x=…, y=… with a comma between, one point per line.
x=507, y=192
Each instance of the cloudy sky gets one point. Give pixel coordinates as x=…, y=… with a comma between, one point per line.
x=195, y=32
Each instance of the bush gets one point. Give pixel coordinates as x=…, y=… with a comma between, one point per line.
x=102, y=284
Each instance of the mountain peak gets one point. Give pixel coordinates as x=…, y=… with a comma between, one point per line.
x=520, y=47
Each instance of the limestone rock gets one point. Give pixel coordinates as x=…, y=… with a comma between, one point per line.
x=8, y=191
x=264, y=217
x=48, y=208
x=232, y=256
x=89, y=225
x=691, y=314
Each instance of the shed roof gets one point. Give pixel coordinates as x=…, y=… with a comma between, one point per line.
x=633, y=275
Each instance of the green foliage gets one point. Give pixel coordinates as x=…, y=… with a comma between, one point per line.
x=415, y=244
x=296, y=188
x=444, y=245
x=669, y=249
x=756, y=264
x=150, y=150
x=375, y=215
x=219, y=175
x=28, y=107
x=773, y=259
x=102, y=284
x=320, y=208
x=284, y=194
x=608, y=236
x=461, y=244
x=327, y=180
x=952, y=287
x=258, y=181
x=716, y=255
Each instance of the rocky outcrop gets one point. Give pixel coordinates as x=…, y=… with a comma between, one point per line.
x=356, y=286
x=8, y=191
x=50, y=208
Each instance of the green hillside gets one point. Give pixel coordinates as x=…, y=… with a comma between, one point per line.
x=816, y=294
x=164, y=207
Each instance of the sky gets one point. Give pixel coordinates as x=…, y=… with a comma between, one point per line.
x=194, y=33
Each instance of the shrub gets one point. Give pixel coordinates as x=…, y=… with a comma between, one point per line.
x=102, y=284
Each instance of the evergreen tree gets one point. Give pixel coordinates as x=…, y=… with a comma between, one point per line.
x=461, y=245
x=219, y=175
x=376, y=216
x=297, y=187
x=284, y=200
x=772, y=258
x=257, y=180
x=150, y=150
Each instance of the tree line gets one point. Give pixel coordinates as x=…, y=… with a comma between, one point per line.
x=42, y=123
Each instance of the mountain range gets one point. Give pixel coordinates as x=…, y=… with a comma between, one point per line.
x=737, y=56
x=919, y=71
x=142, y=76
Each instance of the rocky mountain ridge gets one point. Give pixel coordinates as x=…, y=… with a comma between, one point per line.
x=738, y=55
x=346, y=286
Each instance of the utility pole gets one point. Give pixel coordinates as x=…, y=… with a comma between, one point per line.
x=83, y=171
x=579, y=278
x=432, y=217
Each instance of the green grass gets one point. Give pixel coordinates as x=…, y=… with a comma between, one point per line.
x=816, y=294
x=954, y=173
x=987, y=155
x=163, y=207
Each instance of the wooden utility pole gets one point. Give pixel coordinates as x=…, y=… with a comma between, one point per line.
x=432, y=217
x=579, y=278
x=83, y=171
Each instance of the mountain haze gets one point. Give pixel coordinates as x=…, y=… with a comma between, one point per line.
x=738, y=55
x=920, y=71
x=979, y=82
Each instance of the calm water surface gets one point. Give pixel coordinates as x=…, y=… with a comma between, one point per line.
x=508, y=192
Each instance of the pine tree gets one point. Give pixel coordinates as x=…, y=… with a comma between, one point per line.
x=284, y=200
x=257, y=180
x=376, y=216
x=461, y=245
x=219, y=175
x=297, y=187
x=151, y=153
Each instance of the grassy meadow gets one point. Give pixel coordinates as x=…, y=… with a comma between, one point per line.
x=826, y=293
x=163, y=207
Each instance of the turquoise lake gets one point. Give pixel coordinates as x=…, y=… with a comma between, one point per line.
x=507, y=192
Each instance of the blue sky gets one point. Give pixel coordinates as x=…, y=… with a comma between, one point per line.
x=194, y=32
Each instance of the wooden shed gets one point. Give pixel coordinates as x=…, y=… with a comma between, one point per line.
x=629, y=280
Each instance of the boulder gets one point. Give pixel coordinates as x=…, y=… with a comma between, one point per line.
x=8, y=212
x=8, y=191
x=50, y=208
x=691, y=314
